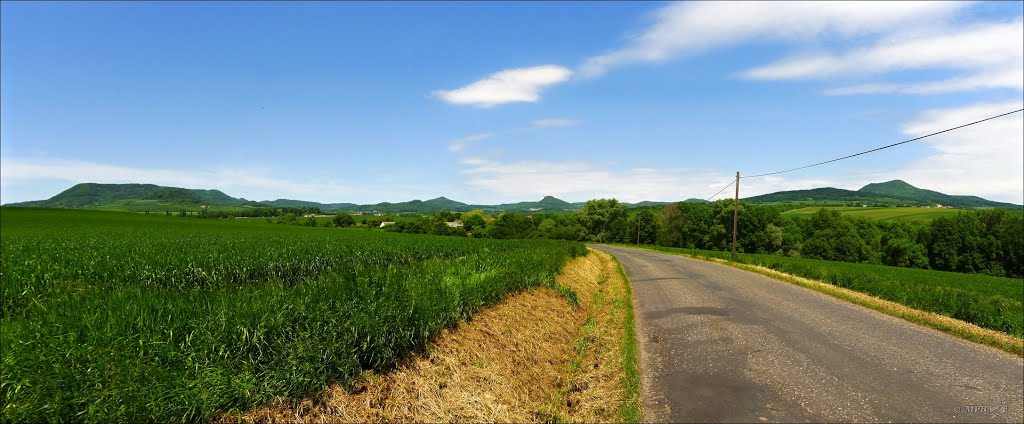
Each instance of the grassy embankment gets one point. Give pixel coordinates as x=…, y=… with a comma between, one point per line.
x=993, y=306
x=127, y=317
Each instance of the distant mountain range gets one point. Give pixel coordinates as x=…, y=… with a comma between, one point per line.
x=139, y=197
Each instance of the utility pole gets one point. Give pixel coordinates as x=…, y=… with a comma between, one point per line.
x=735, y=215
x=638, y=228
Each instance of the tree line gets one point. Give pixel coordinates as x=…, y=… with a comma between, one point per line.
x=259, y=212
x=989, y=241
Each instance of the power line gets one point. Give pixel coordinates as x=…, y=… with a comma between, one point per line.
x=879, y=148
x=720, y=191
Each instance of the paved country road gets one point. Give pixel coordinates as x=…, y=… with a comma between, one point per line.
x=725, y=345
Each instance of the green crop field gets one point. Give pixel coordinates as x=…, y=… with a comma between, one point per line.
x=882, y=214
x=991, y=302
x=120, y=317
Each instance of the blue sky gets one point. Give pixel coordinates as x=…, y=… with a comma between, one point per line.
x=497, y=102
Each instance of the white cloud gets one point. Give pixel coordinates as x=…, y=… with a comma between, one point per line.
x=993, y=54
x=459, y=144
x=984, y=160
x=1010, y=78
x=235, y=182
x=688, y=28
x=508, y=86
x=553, y=123
x=576, y=181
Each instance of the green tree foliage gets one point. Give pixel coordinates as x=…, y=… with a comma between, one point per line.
x=831, y=236
x=643, y=225
x=672, y=226
x=987, y=242
x=561, y=227
x=343, y=220
x=598, y=215
x=474, y=220
x=510, y=225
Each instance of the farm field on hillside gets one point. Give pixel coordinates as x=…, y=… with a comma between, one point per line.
x=158, y=207
x=881, y=214
x=128, y=317
x=992, y=302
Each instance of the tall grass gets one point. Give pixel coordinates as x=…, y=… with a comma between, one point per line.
x=992, y=302
x=121, y=317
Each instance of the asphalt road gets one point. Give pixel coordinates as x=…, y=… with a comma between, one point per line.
x=724, y=345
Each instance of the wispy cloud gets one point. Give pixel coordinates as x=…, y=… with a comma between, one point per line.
x=458, y=144
x=1010, y=78
x=688, y=28
x=553, y=122
x=992, y=54
x=508, y=86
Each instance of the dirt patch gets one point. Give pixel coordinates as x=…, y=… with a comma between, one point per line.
x=533, y=357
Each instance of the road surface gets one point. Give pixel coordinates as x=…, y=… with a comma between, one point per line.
x=724, y=345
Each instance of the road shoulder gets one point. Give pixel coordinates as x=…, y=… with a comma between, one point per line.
x=945, y=324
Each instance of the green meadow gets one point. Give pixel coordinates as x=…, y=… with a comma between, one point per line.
x=879, y=213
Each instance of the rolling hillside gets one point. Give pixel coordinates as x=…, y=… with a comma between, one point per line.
x=132, y=197
x=890, y=193
x=900, y=189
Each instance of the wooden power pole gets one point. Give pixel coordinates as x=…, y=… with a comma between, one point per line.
x=735, y=215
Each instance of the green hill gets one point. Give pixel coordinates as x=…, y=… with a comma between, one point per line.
x=547, y=204
x=890, y=193
x=101, y=196
x=903, y=190
x=830, y=195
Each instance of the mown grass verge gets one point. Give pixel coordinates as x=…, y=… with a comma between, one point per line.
x=630, y=410
x=602, y=382
x=118, y=317
x=912, y=294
